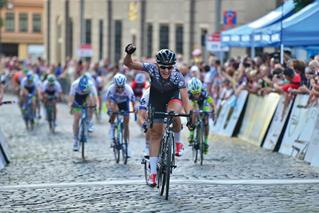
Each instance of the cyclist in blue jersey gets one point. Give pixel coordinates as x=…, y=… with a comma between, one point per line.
x=82, y=93
x=29, y=86
x=167, y=93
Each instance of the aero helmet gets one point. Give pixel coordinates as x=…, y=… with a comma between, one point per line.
x=84, y=83
x=166, y=57
x=140, y=78
x=195, y=86
x=119, y=80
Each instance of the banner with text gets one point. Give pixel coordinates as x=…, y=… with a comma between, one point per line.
x=277, y=124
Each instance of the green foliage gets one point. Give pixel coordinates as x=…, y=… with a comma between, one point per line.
x=299, y=4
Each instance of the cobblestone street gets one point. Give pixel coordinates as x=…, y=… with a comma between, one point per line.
x=46, y=175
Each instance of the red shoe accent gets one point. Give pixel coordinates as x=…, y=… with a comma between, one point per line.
x=152, y=180
x=179, y=149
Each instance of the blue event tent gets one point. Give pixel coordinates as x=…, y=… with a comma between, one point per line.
x=243, y=36
x=300, y=29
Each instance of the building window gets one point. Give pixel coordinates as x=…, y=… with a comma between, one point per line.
x=149, y=38
x=101, y=39
x=36, y=23
x=9, y=22
x=23, y=22
x=164, y=36
x=118, y=40
x=179, y=33
x=203, y=36
x=88, y=32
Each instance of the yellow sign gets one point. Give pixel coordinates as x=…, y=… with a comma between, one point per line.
x=132, y=11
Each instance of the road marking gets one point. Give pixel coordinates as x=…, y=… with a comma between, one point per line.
x=179, y=181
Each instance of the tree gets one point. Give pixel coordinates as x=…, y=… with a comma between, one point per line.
x=299, y=4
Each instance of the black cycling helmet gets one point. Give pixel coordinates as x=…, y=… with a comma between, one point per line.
x=166, y=57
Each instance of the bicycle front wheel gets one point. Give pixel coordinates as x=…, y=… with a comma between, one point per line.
x=117, y=145
x=195, y=147
x=124, y=151
x=169, y=163
x=116, y=150
x=83, y=129
x=161, y=168
x=201, y=143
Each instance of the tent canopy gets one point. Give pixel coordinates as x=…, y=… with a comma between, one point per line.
x=242, y=36
x=300, y=29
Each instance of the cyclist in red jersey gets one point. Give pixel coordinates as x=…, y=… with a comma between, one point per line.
x=139, y=85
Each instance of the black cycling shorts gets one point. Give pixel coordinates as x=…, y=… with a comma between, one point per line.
x=159, y=101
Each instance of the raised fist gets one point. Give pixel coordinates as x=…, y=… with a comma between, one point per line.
x=130, y=49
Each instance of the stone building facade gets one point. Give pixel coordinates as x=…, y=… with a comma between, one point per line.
x=101, y=28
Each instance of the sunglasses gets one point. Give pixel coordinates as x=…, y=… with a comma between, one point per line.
x=166, y=67
x=196, y=92
x=119, y=87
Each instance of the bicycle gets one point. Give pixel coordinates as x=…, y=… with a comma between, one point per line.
x=83, y=130
x=166, y=162
x=198, y=142
x=28, y=112
x=50, y=110
x=119, y=143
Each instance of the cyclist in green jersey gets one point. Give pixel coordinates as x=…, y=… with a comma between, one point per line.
x=200, y=100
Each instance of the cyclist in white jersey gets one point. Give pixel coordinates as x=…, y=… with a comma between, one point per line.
x=51, y=88
x=118, y=97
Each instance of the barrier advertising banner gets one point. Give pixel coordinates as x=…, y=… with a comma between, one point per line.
x=221, y=117
x=299, y=130
x=277, y=124
x=257, y=118
x=312, y=155
x=235, y=108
